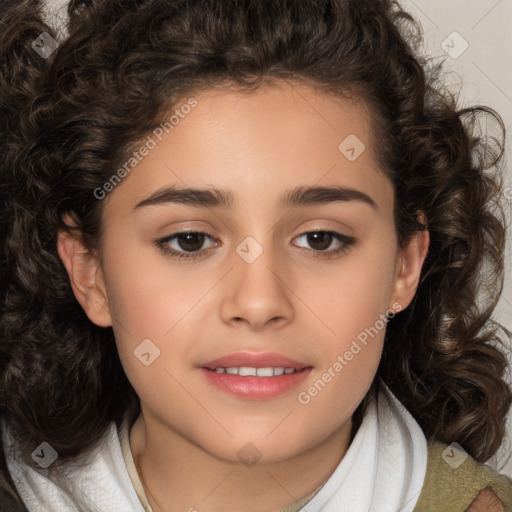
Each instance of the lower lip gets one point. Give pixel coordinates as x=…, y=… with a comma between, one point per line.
x=256, y=388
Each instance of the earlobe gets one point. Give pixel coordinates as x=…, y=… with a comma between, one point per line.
x=85, y=275
x=410, y=263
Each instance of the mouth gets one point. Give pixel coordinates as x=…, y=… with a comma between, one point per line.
x=255, y=376
x=251, y=371
x=254, y=361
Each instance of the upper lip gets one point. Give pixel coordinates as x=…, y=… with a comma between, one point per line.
x=254, y=360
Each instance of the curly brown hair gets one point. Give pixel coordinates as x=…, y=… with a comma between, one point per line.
x=68, y=120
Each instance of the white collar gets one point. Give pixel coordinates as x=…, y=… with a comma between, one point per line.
x=98, y=482
x=384, y=466
x=383, y=469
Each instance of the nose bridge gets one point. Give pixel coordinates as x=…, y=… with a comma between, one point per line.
x=255, y=263
x=258, y=293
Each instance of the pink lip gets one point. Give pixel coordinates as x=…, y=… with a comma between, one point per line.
x=261, y=360
x=255, y=388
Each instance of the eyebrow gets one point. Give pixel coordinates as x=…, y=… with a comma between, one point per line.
x=214, y=197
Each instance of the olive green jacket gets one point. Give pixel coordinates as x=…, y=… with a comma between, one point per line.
x=447, y=488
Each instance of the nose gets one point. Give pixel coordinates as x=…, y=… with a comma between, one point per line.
x=258, y=293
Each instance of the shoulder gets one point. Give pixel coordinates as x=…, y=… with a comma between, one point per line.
x=455, y=481
x=96, y=480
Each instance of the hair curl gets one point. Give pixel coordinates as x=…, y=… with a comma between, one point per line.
x=67, y=121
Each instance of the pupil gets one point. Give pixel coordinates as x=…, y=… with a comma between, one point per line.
x=189, y=244
x=321, y=236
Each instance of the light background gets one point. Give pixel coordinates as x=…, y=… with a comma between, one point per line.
x=481, y=74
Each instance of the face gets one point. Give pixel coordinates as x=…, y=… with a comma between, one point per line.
x=274, y=277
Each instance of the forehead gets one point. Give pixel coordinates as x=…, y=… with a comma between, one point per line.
x=256, y=144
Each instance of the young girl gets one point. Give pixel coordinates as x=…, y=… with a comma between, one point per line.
x=326, y=344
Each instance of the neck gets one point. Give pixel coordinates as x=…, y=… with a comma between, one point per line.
x=178, y=475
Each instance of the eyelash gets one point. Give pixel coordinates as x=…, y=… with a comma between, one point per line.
x=162, y=244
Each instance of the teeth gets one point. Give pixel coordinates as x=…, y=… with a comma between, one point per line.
x=264, y=372
x=246, y=371
x=249, y=371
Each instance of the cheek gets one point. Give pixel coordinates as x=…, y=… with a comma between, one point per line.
x=351, y=351
x=352, y=303
x=148, y=295
x=353, y=294
x=148, y=313
x=154, y=298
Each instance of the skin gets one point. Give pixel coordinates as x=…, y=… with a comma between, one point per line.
x=287, y=301
x=486, y=501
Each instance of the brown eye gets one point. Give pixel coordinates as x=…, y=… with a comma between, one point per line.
x=190, y=242
x=185, y=244
x=320, y=241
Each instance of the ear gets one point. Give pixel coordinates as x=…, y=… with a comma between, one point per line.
x=409, y=265
x=85, y=275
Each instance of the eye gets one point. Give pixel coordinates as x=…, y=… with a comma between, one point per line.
x=185, y=244
x=189, y=244
x=322, y=240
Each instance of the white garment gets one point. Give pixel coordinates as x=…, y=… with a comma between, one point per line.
x=55, y=14
x=100, y=484
x=382, y=471
x=384, y=467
